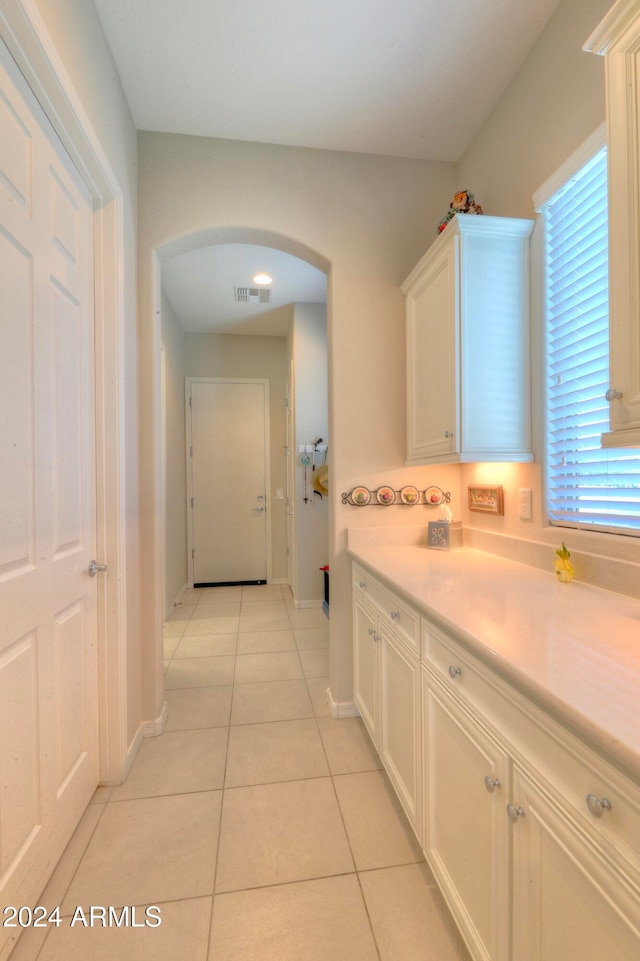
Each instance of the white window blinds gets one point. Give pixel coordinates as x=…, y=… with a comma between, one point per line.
x=586, y=485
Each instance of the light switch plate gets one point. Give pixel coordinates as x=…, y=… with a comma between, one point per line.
x=525, y=511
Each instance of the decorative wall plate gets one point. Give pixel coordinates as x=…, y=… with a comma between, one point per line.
x=385, y=496
x=410, y=495
x=360, y=496
x=434, y=496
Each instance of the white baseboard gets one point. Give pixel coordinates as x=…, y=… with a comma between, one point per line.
x=132, y=751
x=154, y=728
x=145, y=729
x=341, y=708
x=304, y=605
x=278, y=580
x=174, y=603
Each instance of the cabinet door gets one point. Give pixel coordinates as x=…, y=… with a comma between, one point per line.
x=567, y=902
x=365, y=666
x=465, y=772
x=618, y=38
x=432, y=382
x=400, y=723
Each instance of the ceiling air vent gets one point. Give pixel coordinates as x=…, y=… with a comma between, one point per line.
x=252, y=295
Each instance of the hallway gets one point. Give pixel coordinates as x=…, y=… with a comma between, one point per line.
x=263, y=829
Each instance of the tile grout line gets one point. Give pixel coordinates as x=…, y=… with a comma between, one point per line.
x=222, y=799
x=103, y=805
x=346, y=833
x=314, y=715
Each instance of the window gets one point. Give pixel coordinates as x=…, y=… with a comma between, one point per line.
x=586, y=486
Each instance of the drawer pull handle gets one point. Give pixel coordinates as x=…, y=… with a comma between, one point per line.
x=597, y=805
x=395, y=615
x=363, y=585
x=454, y=671
x=514, y=813
x=491, y=783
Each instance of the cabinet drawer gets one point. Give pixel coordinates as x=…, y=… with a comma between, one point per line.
x=597, y=797
x=461, y=673
x=395, y=613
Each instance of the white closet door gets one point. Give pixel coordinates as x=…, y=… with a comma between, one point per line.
x=48, y=621
x=229, y=430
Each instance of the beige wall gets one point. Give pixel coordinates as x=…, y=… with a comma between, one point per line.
x=308, y=348
x=221, y=355
x=370, y=219
x=365, y=219
x=75, y=31
x=552, y=105
x=175, y=531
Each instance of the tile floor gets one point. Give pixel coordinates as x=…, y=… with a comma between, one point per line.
x=262, y=828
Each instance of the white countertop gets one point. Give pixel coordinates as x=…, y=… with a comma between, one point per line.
x=574, y=648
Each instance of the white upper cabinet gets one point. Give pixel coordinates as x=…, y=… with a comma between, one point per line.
x=618, y=39
x=468, y=356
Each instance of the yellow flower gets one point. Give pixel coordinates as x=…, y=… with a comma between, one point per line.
x=563, y=566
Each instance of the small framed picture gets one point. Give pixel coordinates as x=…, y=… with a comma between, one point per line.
x=487, y=499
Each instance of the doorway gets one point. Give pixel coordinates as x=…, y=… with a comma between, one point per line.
x=228, y=472
x=231, y=340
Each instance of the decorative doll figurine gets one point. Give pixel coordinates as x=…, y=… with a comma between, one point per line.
x=463, y=203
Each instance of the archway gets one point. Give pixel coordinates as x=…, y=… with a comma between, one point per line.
x=165, y=255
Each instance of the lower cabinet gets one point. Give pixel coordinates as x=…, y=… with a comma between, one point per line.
x=534, y=838
x=399, y=729
x=465, y=840
x=387, y=688
x=568, y=900
x=366, y=666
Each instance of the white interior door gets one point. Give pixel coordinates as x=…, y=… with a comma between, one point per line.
x=48, y=626
x=229, y=460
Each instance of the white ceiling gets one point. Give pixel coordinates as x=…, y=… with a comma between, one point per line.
x=408, y=78
x=200, y=287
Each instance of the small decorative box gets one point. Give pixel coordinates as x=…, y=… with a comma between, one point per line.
x=444, y=535
x=438, y=535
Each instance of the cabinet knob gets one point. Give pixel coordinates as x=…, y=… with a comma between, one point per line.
x=395, y=615
x=448, y=433
x=454, y=671
x=597, y=805
x=372, y=630
x=514, y=813
x=491, y=783
x=363, y=585
x=613, y=394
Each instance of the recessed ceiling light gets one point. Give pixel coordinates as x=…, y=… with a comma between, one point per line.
x=262, y=279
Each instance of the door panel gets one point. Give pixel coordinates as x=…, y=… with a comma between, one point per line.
x=365, y=667
x=48, y=628
x=568, y=900
x=400, y=724
x=17, y=505
x=464, y=836
x=229, y=431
